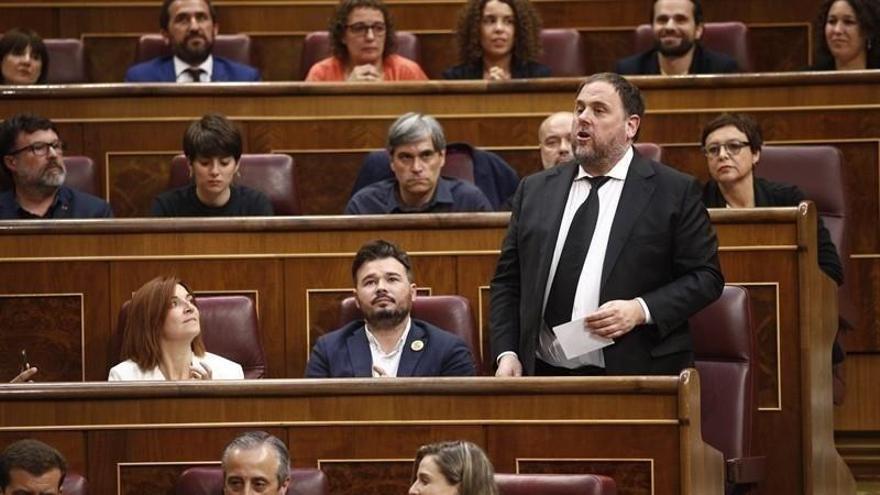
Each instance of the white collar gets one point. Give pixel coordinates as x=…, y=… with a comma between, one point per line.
x=207, y=66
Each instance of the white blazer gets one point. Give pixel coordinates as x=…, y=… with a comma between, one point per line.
x=221, y=369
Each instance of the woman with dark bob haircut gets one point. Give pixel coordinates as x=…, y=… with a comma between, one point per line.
x=847, y=35
x=23, y=58
x=498, y=40
x=363, y=41
x=162, y=338
x=452, y=468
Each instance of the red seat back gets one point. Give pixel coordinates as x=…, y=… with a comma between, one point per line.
x=272, y=174
x=729, y=38
x=66, y=61
x=235, y=47
x=229, y=328
x=555, y=484
x=562, y=51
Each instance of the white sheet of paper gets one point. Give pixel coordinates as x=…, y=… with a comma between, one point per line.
x=576, y=340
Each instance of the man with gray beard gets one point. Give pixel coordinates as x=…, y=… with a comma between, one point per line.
x=33, y=161
x=387, y=342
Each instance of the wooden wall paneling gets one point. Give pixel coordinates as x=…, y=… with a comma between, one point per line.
x=140, y=460
x=260, y=279
x=71, y=444
x=860, y=413
x=791, y=44
x=380, y=461
x=634, y=471
x=71, y=19
x=66, y=319
x=473, y=276
x=135, y=179
x=109, y=55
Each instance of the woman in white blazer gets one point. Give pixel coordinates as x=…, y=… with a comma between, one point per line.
x=162, y=338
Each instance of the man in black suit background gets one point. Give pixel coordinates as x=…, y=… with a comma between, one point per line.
x=612, y=237
x=678, y=27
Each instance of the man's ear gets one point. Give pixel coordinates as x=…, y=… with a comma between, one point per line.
x=166, y=36
x=9, y=163
x=357, y=304
x=442, y=157
x=632, y=126
x=698, y=33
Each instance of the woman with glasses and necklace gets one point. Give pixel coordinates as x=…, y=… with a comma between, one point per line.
x=732, y=145
x=362, y=38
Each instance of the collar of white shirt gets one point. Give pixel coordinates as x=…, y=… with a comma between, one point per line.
x=618, y=171
x=388, y=362
x=180, y=66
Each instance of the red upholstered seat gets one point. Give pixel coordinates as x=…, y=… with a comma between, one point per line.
x=729, y=38
x=724, y=349
x=229, y=329
x=80, y=175
x=208, y=480
x=562, y=51
x=66, y=61
x=316, y=47
x=817, y=171
x=235, y=47
x=272, y=174
x=451, y=313
x=74, y=484
x=649, y=150
x=555, y=484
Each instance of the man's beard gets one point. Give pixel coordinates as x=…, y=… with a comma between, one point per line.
x=193, y=57
x=599, y=158
x=386, y=318
x=679, y=50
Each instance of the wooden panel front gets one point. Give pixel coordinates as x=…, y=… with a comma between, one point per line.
x=128, y=427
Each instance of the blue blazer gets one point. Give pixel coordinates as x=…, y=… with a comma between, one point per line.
x=161, y=69
x=346, y=353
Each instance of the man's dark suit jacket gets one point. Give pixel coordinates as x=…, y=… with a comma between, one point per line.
x=661, y=248
x=705, y=61
x=161, y=69
x=346, y=353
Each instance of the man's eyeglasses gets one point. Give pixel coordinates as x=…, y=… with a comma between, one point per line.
x=408, y=159
x=40, y=148
x=361, y=28
x=733, y=148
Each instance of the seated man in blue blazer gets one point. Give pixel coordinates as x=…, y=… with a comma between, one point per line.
x=190, y=27
x=387, y=342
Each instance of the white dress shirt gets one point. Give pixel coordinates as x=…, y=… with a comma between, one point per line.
x=388, y=362
x=207, y=70
x=586, y=298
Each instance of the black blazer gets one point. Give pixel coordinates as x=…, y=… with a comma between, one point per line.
x=661, y=248
x=769, y=193
x=518, y=70
x=704, y=62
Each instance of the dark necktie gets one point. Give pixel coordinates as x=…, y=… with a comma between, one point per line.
x=194, y=73
x=574, y=252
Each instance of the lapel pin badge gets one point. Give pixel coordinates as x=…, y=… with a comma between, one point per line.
x=417, y=345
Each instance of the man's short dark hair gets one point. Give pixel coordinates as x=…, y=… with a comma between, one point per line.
x=20, y=123
x=340, y=19
x=742, y=122
x=256, y=439
x=165, y=14
x=212, y=136
x=33, y=456
x=698, y=11
x=379, y=250
x=630, y=96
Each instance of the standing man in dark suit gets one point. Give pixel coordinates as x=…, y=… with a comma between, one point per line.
x=678, y=27
x=612, y=237
x=387, y=342
x=190, y=27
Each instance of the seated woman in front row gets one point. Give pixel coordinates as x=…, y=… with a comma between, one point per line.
x=212, y=146
x=363, y=40
x=452, y=468
x=498, y=40
x=162, y=338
